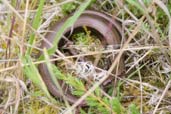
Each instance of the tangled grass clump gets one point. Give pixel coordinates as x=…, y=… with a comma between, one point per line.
x=146, y=39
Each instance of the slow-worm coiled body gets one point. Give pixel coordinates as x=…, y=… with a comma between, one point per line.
x=105, y=25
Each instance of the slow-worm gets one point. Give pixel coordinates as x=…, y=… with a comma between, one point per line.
x=103, y=24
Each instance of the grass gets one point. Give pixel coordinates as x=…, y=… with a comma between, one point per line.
x=36, y=23
x=145, y=87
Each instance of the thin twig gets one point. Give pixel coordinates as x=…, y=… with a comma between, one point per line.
x=162, y=96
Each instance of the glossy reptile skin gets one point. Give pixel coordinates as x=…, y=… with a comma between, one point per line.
x=108, y=27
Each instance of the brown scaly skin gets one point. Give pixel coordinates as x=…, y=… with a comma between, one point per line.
x=96, y=20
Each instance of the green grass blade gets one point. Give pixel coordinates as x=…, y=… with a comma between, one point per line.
x=32, y=73
x=53, y=77
x=69, y=22
x=49, y=65
x=35, y=25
